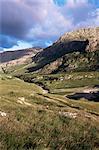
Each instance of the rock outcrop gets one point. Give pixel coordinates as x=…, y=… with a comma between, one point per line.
x=89, y=35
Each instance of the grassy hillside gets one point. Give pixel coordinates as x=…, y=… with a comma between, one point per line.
x=75, y=61
x=31, y=118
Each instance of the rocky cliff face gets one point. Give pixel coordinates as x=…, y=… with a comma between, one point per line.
x=89, y=35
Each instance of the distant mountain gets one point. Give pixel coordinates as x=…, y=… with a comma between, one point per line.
x=77, y=50
x=17, y=57
x=7, y=56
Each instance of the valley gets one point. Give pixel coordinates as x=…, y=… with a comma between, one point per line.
x=49, y=100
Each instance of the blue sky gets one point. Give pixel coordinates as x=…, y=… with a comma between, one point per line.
x=30, y=23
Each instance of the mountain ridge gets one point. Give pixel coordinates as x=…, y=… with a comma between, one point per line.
x=82, y=41
x=6, y=56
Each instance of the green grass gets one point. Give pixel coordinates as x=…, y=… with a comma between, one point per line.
x=44, y=130
x=39, y=125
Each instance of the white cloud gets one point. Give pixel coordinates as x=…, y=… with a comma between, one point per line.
x=54, y=25
x=20, y=45
x=92, y=21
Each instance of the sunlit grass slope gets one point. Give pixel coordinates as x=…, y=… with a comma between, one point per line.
x=31, y=118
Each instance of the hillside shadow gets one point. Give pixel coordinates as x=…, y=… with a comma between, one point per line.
x=56, y=51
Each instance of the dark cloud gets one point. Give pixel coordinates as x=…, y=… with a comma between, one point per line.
x=7, y=41
x=16, y=18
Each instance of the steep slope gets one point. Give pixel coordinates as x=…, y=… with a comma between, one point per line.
x=75, y=61
x=83, y=41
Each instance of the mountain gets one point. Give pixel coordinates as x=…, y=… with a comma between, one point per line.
x=17, y=57
x=74, y=50
x=17, y=54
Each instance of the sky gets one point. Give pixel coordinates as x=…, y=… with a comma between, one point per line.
x=39, y=23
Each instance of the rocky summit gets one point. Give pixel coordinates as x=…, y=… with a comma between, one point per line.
x=88, y=39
